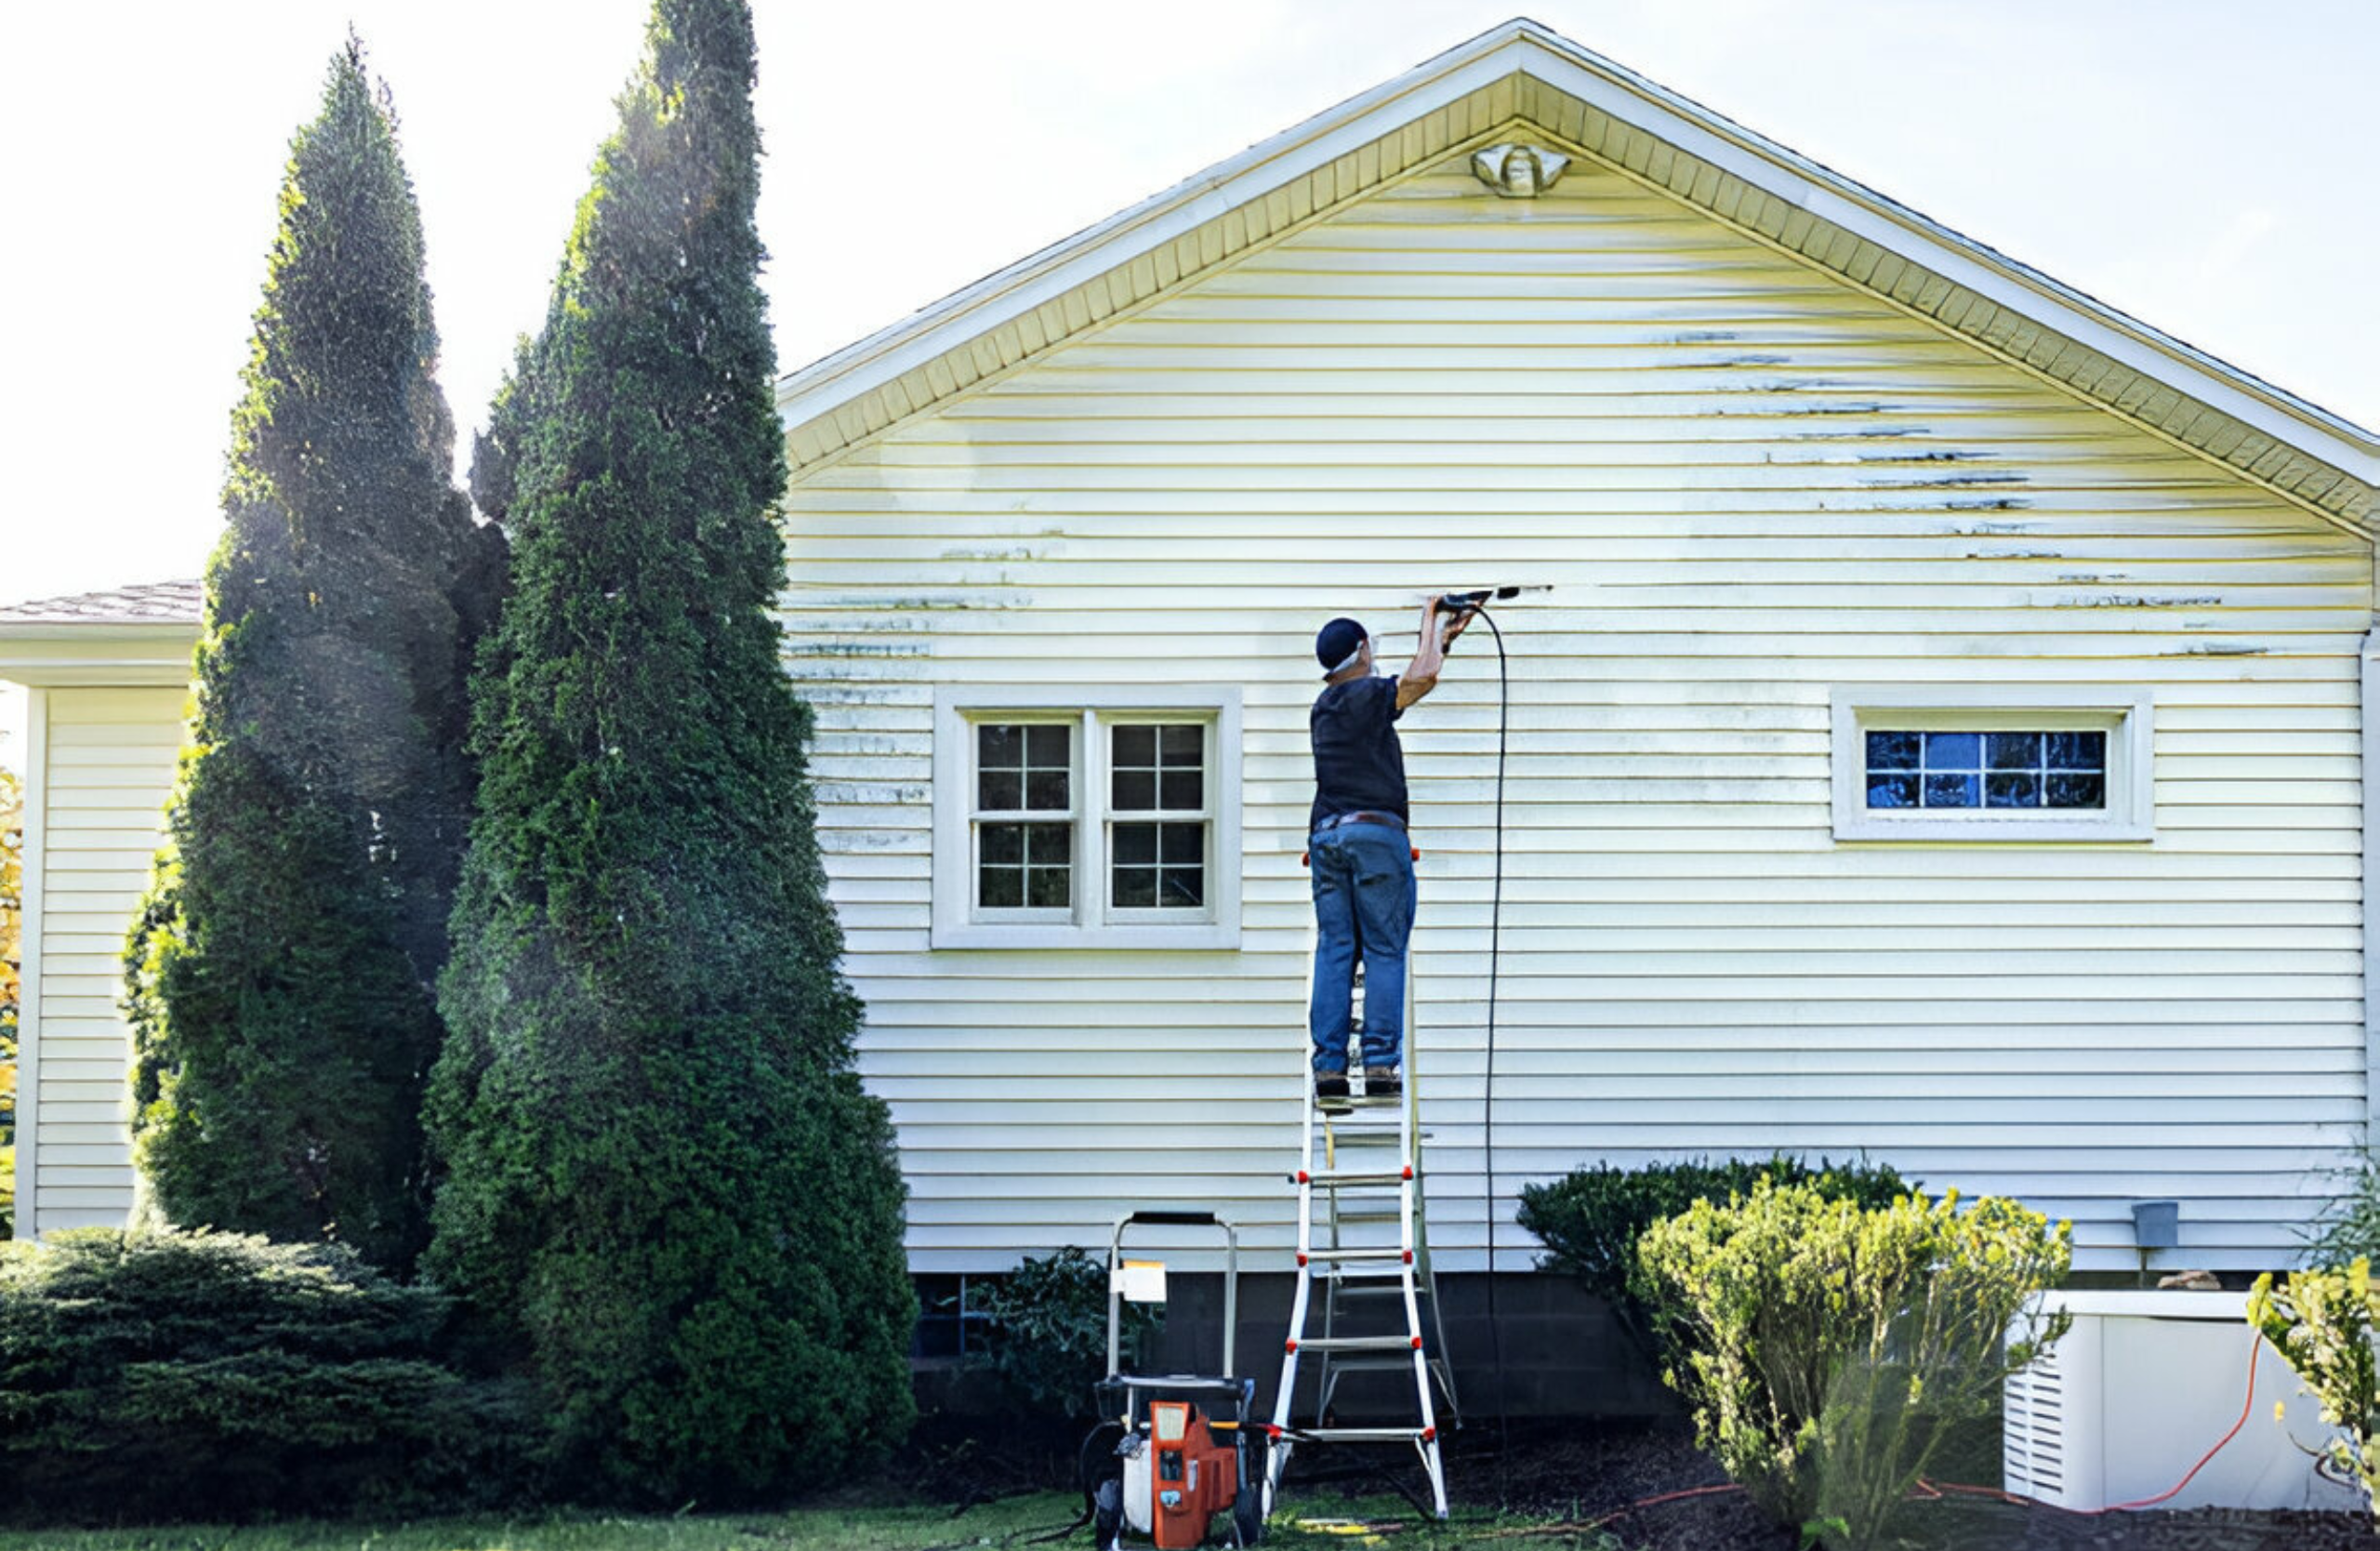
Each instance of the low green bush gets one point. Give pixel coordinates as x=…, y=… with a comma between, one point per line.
x=1048, y=1340
x=1590, y=1219
x=171, y=1375
x=2323, y=1322
x=1829, y=1348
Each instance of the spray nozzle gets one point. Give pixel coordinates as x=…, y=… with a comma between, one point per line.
x=1465, y=602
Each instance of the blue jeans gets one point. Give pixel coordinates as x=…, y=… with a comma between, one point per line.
x=1363, y=904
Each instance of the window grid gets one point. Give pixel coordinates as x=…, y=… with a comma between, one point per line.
x=1966, y=769
x=1157, y=816
x=1025, y=815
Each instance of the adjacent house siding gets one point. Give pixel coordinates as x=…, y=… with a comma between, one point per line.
x=1750, y=483
x=107, y=765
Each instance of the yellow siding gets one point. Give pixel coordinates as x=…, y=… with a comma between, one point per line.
x=1750, y=483
x=107, y=764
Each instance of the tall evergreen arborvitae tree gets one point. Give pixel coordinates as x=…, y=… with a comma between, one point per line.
x=282, y=972
x=665, y=1190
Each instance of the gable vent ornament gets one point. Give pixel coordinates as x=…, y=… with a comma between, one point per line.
x=1517, y=171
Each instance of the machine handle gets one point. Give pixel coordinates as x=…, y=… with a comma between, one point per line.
x=1175, y=1219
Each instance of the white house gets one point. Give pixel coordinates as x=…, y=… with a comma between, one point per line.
x=1811, y=479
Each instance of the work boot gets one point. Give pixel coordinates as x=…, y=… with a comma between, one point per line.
x=1380, y=1082
x=1331, y=1090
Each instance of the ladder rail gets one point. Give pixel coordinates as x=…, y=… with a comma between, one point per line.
x=1357, y=1201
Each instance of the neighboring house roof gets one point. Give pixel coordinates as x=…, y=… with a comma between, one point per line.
x=149, y=603
x=126, y=635
x=1521, y=71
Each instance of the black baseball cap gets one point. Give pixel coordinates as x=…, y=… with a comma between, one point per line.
x=1337, y=642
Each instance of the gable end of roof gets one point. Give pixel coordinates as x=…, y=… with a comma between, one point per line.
x=1523, y=74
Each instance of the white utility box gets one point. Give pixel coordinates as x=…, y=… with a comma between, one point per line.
x=2140, y=1388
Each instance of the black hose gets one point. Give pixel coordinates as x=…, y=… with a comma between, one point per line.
x=1487, y=1103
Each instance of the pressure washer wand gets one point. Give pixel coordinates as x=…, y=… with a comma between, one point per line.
x=1465, y=602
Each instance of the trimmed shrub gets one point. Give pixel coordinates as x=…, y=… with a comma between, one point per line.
x=1591, y=1218
x=280, y=971
x=1048, y=1340
x=159, y=1375
x=667, y=1196
x=1828, y=1349
x=2324, y=1323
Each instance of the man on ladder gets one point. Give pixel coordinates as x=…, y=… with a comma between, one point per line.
x=1361, y=857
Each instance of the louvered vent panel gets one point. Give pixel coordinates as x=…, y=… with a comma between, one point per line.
x=2032, y=1435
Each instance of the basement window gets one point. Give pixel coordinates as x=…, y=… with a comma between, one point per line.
x=1104, y=821
x=1992, y=762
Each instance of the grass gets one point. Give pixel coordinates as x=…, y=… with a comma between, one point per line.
x=1336, y=1525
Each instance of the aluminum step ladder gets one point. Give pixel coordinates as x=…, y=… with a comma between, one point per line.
x=1364, y=1243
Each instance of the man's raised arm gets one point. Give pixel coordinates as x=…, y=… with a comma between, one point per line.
x=1420, y=675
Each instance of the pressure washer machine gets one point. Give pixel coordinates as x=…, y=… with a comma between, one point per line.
x=1187, y=1459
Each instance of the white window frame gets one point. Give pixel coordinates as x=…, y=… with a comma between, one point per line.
x=1090, y=923
x=2124, y=712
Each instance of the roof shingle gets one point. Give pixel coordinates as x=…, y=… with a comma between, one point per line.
x=167, y=602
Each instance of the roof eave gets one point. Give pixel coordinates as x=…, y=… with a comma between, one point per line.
x=54, y=652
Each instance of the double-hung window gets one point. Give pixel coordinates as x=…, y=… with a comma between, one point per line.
x=1086, y=819
x=1992, y=762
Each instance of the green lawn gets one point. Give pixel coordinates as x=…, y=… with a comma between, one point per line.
x=998, y=1526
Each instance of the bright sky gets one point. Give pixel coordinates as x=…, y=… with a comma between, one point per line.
x=2202, y=165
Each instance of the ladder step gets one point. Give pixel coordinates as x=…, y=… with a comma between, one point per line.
x=1390, y=1253
x=1377, y=1290
x=1357, y=1344
x=1345, y=1179
x=1361, y=1435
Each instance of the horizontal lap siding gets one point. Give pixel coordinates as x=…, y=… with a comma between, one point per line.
x=1748, y=483
x=109, y=768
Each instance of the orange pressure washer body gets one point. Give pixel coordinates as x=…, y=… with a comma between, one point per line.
x=1191, y=1478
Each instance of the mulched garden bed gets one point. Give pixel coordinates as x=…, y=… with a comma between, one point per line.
x=1580, y=1473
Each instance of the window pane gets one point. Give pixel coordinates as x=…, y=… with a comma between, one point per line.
x=1048, y=745
x=1953, y=751
x=2077, y=751
x=1892, y=751
x=1135, y=888
x=1047, y=791
x=1049, y=887
x=1001, y=888
x=2008, y=788
x=1180, y=843
x=999, y=744
x=1135, y=844
x=1950, y=792
x=1000, y=790
x=2077, y=792
x=1185, y=788
x=1184, y=888
x=2012, y=750
x=1134, y=790
x=1184, y=744
x=1136, y=745
x=1003, y=844
x=1892, y=792
x=1049, y=845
